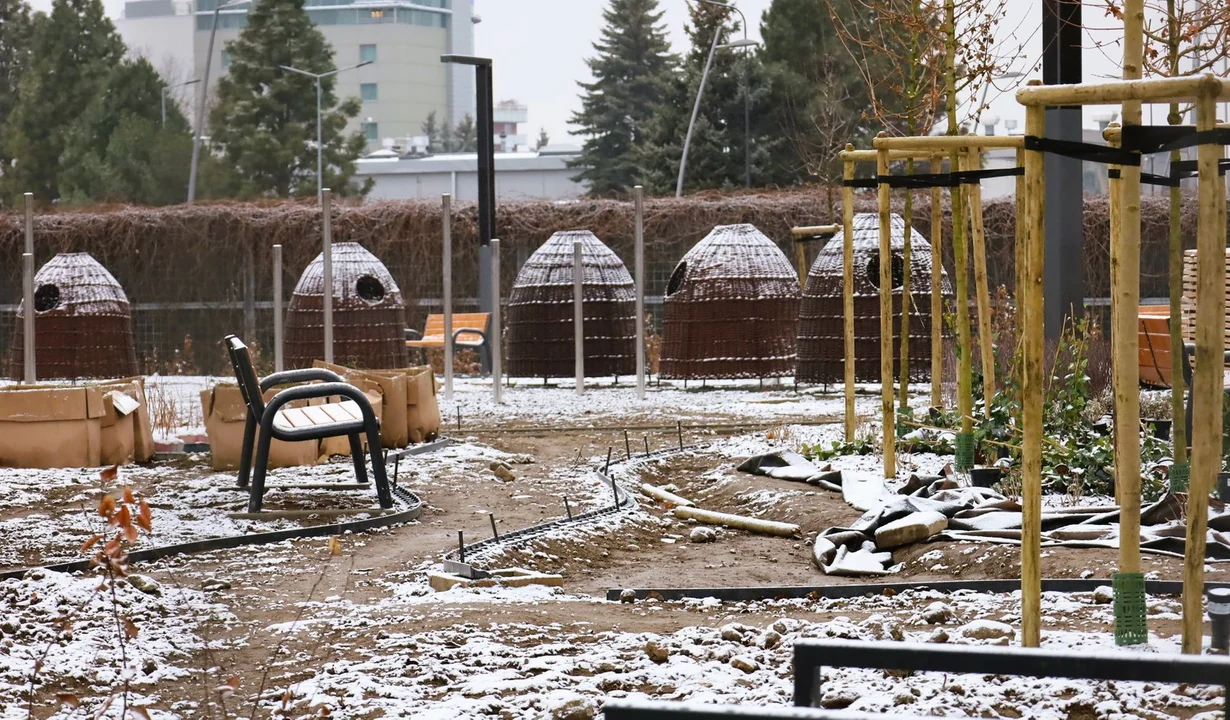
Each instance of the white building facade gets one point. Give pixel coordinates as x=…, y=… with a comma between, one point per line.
x=541, y=175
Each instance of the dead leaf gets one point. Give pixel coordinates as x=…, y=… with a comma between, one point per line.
x=130, y=629
x=68, y=699
x=110, y=474
x=85, y=546
x=128, y=494
x=106, y=506
x=144, y=516
x=130, y=532
x=123, y=518
x=105, y=706
x=335, y=546
x=139, y=712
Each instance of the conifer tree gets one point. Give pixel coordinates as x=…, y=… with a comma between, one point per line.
x=16, y=28
x=630, y=70
x=465, y=135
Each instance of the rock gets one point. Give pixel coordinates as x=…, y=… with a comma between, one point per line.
x=214, y=585
x=145, y=584
x=574, y=707
x=987, y=630
x=721, y=654
x=9, y=627
x=769, y=640
x=627, y=595
x=838, y=700
x=149, y=667
x=939, y=636
x=702, y=535
x=744, y=663
x=910, y=529
x=732, y=633
x=656, y=652
x=632, y=547
x=1103, y=595
x=937, y=613
x=882, y=628
x=503, y=471
x=903, y=698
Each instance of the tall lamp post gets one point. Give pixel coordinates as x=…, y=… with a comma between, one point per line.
x=165, y=88
x=320, y=168
x=704, y=77
x=200, y=101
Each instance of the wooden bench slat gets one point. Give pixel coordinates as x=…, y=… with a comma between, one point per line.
x=295, y=417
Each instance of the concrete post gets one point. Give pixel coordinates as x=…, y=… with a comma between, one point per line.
x=27, y=261
x=278, y=362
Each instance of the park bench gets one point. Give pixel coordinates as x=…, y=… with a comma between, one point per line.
x=469, y=330
x=657, y=710
x=351, y=417
x=812, y=656
x=1156, y=363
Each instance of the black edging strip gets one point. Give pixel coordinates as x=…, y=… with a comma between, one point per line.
x=414, y=508
x=835, y=592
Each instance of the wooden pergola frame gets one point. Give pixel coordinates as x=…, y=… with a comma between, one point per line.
x=1125, y=299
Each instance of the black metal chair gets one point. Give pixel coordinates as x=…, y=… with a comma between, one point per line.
x=352, y=417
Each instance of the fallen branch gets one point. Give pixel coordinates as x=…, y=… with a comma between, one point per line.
x=739, y=522
x=665, y=496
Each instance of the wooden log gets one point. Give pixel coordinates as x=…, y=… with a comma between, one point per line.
x=810, y=230
x=888, y=419
x=870, y=155
x=847, y=292
x=738, y=522
x=960, y=255
x=1119, y=91
x=665, y=496
x=937, y=287
x=1115, y=191
x=973, y=161
x=1033, y=341
x=947, y=142
x=1207, y=375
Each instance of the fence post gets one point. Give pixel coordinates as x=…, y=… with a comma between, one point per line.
x=578, y=303
x=27, y=317
x=278, y=364
x=638, y=197
x=496, y=331
x=446, y=217
x=326, y=209
x=249, y=293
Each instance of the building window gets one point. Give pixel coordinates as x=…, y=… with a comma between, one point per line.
x=368, y=92
x=377, y=14
x=226, y=59
x=371, y=131
x=367, y=53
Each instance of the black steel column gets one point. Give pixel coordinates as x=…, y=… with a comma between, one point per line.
x=1063, y=285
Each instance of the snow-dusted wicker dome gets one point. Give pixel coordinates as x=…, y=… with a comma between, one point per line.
x=732, y=305
x=82, y=323
x=540, y=311
x=369, y=315
x=822, y=319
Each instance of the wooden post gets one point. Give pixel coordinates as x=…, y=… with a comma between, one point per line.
x=1033, y=340
x=847, y=292
x=960, y=257
x=27, y=316
x=1019, y=241
x=578, y=312
x=1207, y=374
x=326, y=210
x=937, y=287
x=279, y=363
x=638, y=199
x=973, y=192
x=496, y=342
x=446, y=220
x=1114, y=187
x=886, y=319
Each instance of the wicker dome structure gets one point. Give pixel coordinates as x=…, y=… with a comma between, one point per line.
x=822, y=318
x=732, y=306
x=541, y=311
x=82, y=323
x=369, y=315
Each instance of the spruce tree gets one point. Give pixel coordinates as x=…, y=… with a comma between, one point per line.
x=72, y=53
x=432, y=129
x=465, y=135
x=631, y=68
x=16, y=28
x=265, y=118
x=543, y=139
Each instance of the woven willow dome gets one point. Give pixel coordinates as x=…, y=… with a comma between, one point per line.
x=369, y=316
x=822, y=318
x=82, y=323
x=540, y=311
x=732, y=306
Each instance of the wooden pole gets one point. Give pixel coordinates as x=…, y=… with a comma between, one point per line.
x=1206, y=376
x=973, y=193
x=27, y=316
x=446, y=222
x=960, y=256
x=947, y=142
x=326, y=211
x=638, y=201
x=937, y=287
x=1033, y=341
x=578, y=312
x=279, y=363
x=1114, y=187
x=847, y=293
x=888, y=421
x=1019, y=239
x=497, y=333
x=1120, y=91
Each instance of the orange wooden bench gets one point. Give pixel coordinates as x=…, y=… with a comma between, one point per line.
x=1156, y=362
x=469, y=330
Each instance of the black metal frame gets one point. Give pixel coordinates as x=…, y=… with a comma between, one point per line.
x=812, y=656
x=482, y=345
x=326, y=383
x=648, y=710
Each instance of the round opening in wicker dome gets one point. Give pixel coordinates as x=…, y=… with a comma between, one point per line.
x=732, y=305
x=83, y=323
x=822, y=317
x=541, y=309
x=369, y=315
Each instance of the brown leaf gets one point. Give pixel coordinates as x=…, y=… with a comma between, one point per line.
x=105, y=706
x=90, y=543
x=139, y=712
x=68, y=699
x=234, y=682
x=110, y=474
x=144, y=516
x=112, y=548
x=128, y=494
x=123, y=518
x=130, y=532
x=130, y=629
x=106, y=506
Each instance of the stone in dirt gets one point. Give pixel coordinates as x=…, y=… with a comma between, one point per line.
x=1103, y=595
x=910, y=529
x=987, y=630
x=732, y=633
x=214, y=585
x=573, y=707
x=627, y=595
x=656, y=652
x=939, y=636
x=503, y=471
x=769, y=640
x=702, y=535
x=145, y=584
x=937, y=613
x=838, y=700
x=744, y=663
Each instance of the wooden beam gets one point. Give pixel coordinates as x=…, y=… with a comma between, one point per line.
x=937, y=287
x=810, y=230
x=972, y=160
x=1112, y=135
x=888, y=422
x=1033, y=341
x=847, y=291
x=1119, y=91
x=872, y=155
x=1207, y=375
x=948, y=142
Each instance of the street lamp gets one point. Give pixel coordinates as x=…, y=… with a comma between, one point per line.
x=320, y=170
x=704, y=77
x=200, y=102
x=165, y=88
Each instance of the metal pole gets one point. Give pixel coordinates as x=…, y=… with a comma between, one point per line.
x=27, y=316
x=496, y=334
x=320, y=168
x=687, y=140
x=747, y=113
x=578, y=312
x=29, y=198
x=486, y=184
x=638, y=199
x=447, y=220
x=164, y=106
x=200, y=110
x=326, y=210
x=278, y=364
x=249, y=293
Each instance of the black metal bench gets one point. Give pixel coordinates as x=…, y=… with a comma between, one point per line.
x=812, y=656
x=352, y=418
x=650, y=710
